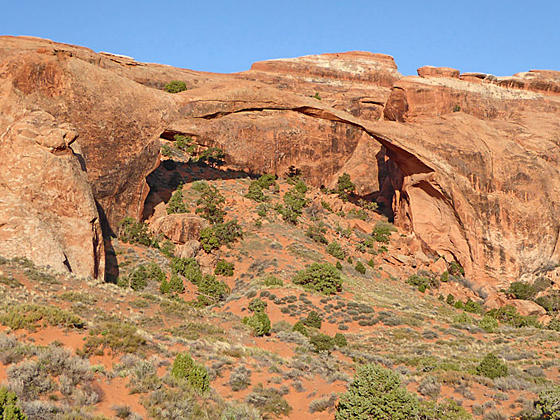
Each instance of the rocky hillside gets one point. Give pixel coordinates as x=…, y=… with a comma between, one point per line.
x=290, y=227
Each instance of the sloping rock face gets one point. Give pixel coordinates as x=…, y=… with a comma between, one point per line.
x=47, y=210
x=467, y=162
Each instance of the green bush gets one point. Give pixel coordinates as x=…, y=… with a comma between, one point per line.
x=488, y=323
x=176, y=204
x=257, y=305
x=166, y=150
x=300, y=328
x=450, y=300
x=340, y=340
x=377, y=393
x=138, y=279
x=271, y=281
x=321, y=342
x=9, y=407
x=550, y=302
x=522, y=290
x=117, y=336
x=176, y=284
x=167, y=248
x=269, y=401
x=509, y=315
x=324, y=278
x=224, y=268
x=317, y=233
x=455, y=269
x=382, y=232
x=554, y=324
x=210, y=204
x=294, y=202
x=184, y=143
x=220, y=234
x=175, y=86
x=213, y=289
x=133, y=232
x=29, y=316
x=360, y=268
x=336, y=250
x=259, y=323
x=312, y=320
x=213, y=156
x=338, y=266
x=187, y=267
x=255, y=192
x=344, y=186
x=548, y=404
x=196, y=375
x=492, y=367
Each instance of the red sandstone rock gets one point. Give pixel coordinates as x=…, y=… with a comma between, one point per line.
x=179, y=228
x=430, y=71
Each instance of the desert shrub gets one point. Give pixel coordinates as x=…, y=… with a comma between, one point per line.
x=360, y=268
x=473, y=307
x=29, y=316
x=210, y=204
x=224, y=268
x=255, y=192
x=213, y=156
x=317, y=233
x=187, y=267
x=167, y=248
x=294, y=202
x=382, y=232
x=430, y=387
x=377, y=393
x=488, y=324
x=175, y=86
x=240, y=412
x=323, y=404
x=257, y=305
x=548, y=404
x=322, y=278
x=133, y=232
x=117, y=336
x=212, y=288
x=196, y=375
x=321, y=342
x=447, y=410
x=450, y=300
x=312, y=320
x=138, y=279
x=338, y=266
x=336, y=250
x=340, y=340
x=9, y=406
x=220, y=234
x=271, y=281
x=554, y=324
x=176, y=204
x=423, y=281
x=269, y=401
x=455, y=269
x=240, y=378
x=509, y=315
x=176, y=284
x=522, y=290
x=492, y=367
x=550, y=302
x=259, y=322
x=300, y=328
x=166, y=150
x=344, y=186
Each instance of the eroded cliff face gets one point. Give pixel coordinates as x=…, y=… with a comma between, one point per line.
x=468, y=162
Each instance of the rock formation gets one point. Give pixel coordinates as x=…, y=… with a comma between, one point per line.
x=467, y=162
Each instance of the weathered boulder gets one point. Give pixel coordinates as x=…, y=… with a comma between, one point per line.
x=47, y=210
x=179, y=228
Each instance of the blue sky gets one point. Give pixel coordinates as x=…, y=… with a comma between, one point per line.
x=498, y=37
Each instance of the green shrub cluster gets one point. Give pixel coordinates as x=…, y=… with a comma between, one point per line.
x=114, y=335
x=272, y=281
x=294, y=202
x=213, y=156
x=492, y=367
x=176, y=204
x=259, y=323
x=509, y=315
x=360, y=268
x=29, y=316
x=174, y=285
x=382, y=232
x=522, y=290
x=455, y=269
x=210, y=204
x=423, y=280
x=257, y=186
x=257, y=305
x=548, y=405
x=185, y=369
x=211, y=289
x=344, y=186
x=269, y=401
x=220, y=234
x=339, y=340
x=184, y=143
x=133, y=232
x=9, y=407
x=336, y=250
x=317, y=233
x=300, y=328
x=324, y=278
x=175, y=86
x=321, y=342
x=312, y=320
x=224, y=268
